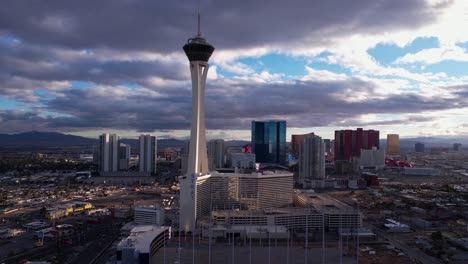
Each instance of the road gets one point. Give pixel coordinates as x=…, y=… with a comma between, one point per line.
x=409, y=251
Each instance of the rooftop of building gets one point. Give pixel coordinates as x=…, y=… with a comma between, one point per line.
x=140, y=237
x=148, y=207
x=255, y=174
x=324, y=203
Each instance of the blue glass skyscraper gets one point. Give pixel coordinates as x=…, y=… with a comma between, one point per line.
x=269, y=141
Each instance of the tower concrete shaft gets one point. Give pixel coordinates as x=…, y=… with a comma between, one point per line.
x=197, y=159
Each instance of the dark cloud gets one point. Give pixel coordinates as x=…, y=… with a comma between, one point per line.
x=47, y=44
x=302, y=104
x=36, y=63
x=164, y=25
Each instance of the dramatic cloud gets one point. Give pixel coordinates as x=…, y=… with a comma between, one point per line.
x=90, y=65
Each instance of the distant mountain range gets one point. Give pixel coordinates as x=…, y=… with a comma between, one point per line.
x=54, y=139
x=51, y=139
x=35, y=138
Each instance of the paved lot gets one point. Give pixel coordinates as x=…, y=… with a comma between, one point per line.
x=16, y=245
x=226, y=254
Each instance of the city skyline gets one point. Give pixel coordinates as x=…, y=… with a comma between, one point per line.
x=395, y=66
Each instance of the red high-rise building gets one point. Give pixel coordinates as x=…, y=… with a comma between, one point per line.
x=348, y=143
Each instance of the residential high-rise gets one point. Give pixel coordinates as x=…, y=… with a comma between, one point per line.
x=124, y=156
x=108, y=153
x=295, y=141
x=148, y=150
x=348, y=143
x=198, y=51
x=216, y=153
x=393, y=142
x=311, y=159
x=269, y=141
x=457, y=146
x=419, y=147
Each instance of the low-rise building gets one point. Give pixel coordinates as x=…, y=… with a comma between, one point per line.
x=142, y=244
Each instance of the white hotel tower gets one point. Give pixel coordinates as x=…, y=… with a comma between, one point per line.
x=198, y=52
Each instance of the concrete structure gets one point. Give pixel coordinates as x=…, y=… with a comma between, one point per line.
x=149, y=215
x=296, y=141
x=254, y=232
x=393, y=144
x=269, y=141
x=148, y=150
x=351, y=233
x=124, y=156
x=108, y=153
x=457, y=146
x=314, y=212
x=216, y=154
x=241, y=160
x=228, y=191
x=311, y=159
x=198, y=51
x=372, y=158
x=419, y=147
x=142, y=244
x=349, y=143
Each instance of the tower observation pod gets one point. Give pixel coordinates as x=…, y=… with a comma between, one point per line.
x=198, y=51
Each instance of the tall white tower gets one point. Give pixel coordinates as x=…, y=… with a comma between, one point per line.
x=198, y=52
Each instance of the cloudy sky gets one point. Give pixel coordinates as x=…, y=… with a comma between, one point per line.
x=87, y=67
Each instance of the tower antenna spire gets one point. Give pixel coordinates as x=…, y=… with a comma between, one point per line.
x=199, y=32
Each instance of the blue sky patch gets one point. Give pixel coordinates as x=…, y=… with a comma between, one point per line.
x=463, y=45
x=81, y=84
x=8, y=104
x=452, y=68
x=385, y=54
x=277, y=63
